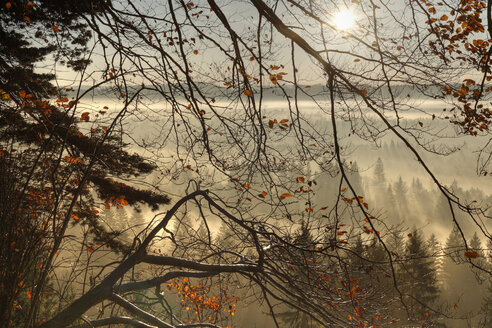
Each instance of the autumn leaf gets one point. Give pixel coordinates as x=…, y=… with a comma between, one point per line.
x=263, y=194
x=195, y=52
x=348, y=200
x=471, y=254
x=247, y=186
x=27, y=19
x=410, y=235
x=247, y=92
x=55, y=28
x=421, y=124
x=8, y=5
x=356, y=60
x=84, y=117
x=285, y=195
x=300, y=179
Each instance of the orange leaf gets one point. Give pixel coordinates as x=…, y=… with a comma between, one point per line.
x=421, y=124
x=195, y=52
x=55, y=28
x=285, y=195
x=84, y=117
x=29, y=293
x=105, y=128
x=348, y=200
x=356, y=60
x=247, y=93
x=247, y=186
x=300, y=179
x=27, y=19
x=410, y=235
x=471, y=254
x=251, y=58
x=8, y=5
x=263, y=194
x=444, y=18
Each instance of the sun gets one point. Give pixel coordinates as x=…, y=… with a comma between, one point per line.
x=344, y=20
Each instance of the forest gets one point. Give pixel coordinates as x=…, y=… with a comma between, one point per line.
x=245, y=163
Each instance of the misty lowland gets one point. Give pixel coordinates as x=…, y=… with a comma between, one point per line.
x=245, y=163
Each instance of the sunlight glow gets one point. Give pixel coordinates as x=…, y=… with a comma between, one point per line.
x=344, y=20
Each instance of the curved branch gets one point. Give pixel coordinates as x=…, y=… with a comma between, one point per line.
x=114, y=321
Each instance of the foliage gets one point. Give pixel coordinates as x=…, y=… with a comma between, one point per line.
x=187, y=84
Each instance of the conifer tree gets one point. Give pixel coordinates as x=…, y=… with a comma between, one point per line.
x=486, y=307
x=420, y=278
x=379, y=175
x=294, y=318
